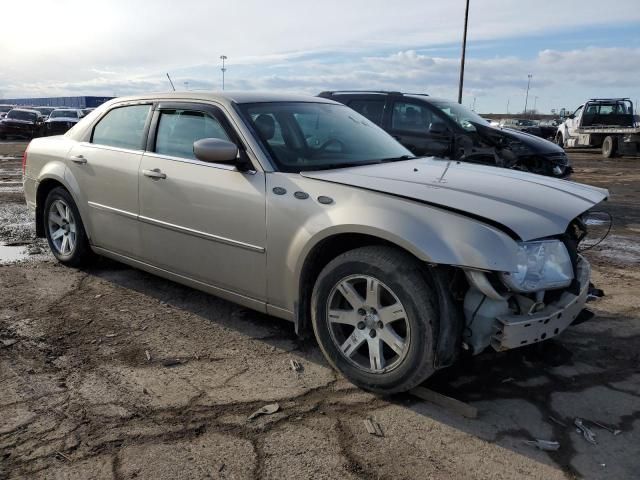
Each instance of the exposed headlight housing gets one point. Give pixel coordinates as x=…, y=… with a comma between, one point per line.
x=542, y=265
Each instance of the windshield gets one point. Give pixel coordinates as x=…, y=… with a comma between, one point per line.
x=314, y=136
x=459, y=114
x=22, y=115
x=63, y=113
x=5, y=108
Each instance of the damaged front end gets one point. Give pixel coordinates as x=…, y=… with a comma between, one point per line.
x=541, y=299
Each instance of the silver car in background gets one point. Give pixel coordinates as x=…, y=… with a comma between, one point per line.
x=301, y=208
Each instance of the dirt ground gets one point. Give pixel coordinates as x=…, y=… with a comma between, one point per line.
x=109, y=372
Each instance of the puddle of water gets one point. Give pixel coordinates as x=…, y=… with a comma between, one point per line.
x=12, y=253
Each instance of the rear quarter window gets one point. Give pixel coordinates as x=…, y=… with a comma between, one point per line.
x=122, y=127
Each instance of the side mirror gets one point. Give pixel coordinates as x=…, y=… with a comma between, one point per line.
x=572, y=116
x=437, y=128
x=215, y=150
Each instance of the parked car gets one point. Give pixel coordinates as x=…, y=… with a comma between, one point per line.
x=87, y=111
x=433, y=126
x=20, y=122
x=302, y=208
x=606, y=123
x=44, y=111
x=548, y=129
x=62, y=119
x=522, y=124
x=4, y=109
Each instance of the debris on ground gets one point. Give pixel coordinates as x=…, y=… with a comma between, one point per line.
x=373, y=427
x=559, y=422
x=148, y=355
x=295, y=365
x=111, y=335
x=8, y=342
x=449, y=403
x=594, y=293
x=586, y=432
x=266, y=410
x=547, y=445
x=613, y=431
x=171, y=362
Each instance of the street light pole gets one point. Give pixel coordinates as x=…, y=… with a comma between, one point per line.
x=464, y=51
x=526, y=100
x=535, y=103
x=223, y=69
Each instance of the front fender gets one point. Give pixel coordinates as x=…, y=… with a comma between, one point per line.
x=433, y=235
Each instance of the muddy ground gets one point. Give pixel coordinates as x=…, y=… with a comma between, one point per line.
x=109, y=372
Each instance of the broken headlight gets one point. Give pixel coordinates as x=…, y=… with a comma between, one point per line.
x=541, y=265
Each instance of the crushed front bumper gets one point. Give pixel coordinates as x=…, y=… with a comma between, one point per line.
x=512, y=331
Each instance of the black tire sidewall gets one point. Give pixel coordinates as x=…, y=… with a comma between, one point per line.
x=401, y=278
x=611, y=150
x=82, y=251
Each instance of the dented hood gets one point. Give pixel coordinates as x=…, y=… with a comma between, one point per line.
x=531, y=206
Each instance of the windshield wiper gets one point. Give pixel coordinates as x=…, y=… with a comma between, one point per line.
x=397, y=159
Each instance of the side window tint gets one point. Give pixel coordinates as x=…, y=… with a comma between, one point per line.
x=372, y=109
x=179, y=129
x=122, y=127
x=411, y=117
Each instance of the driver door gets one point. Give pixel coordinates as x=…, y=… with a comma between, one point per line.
x=574, y=123
x=201, y=220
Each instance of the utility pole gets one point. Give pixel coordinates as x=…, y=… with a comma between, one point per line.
x=526, y=100
x=464, y=51
x=474, y=104
x=223, y=69
x=508, y=100
x=535, y=103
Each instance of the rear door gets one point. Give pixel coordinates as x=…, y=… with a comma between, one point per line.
x=105, y=169
x=419, y=129
x=201, y=220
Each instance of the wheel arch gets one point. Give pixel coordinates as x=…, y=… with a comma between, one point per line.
x=448, y=333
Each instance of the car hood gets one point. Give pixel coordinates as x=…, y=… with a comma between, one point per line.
x=527, y=205
x=17, y=121
x=535, y=144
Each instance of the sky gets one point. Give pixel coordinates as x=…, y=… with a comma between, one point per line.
x=574, y=49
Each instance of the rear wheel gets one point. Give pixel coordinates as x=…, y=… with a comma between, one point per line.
x=64, y=229
x=609, y=147
x=373, y=314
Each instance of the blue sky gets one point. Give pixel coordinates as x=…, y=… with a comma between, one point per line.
x=575, y=49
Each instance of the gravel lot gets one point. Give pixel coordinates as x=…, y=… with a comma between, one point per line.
x=113, y=373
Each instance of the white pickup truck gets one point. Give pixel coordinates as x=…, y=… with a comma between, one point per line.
x=607, y=123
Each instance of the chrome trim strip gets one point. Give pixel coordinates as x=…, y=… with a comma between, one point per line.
x=117, y=211
x=99, y=146
x=198, y=233
x=221, y=166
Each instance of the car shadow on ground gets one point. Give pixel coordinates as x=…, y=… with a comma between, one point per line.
x=535, y=392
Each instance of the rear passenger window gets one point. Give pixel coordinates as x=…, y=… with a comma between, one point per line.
x=122, y=127
x=372, y=109
x=179, y=129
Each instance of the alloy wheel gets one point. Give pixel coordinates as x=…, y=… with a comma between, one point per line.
x=368, y=323
x=62, y=227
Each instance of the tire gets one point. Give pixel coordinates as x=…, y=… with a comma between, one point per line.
x=403, y=315
x=64, y=229
x=609, y=147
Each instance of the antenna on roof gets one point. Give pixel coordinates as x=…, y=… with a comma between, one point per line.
x=174, y=88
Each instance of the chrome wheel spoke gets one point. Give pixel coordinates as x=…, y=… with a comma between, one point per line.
x=72, y=241
x=57, y=234
x=61, y=210
x=392, y=339
x=373, y=293
x=56, y=219
x=346, y=317
x=65, y=244
x=392, y=313
x=350, y=294
x=376, y=358
x=352, y=343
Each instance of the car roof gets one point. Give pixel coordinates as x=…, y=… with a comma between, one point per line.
x=225, y=97
x=27, y=110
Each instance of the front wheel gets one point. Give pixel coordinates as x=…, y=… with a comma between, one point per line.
x=374, y=316
x=64, y=229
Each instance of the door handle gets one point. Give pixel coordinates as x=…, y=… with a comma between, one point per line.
x=79, y=159
x=155, y=173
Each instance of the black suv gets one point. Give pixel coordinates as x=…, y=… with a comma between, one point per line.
x=433, y=126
